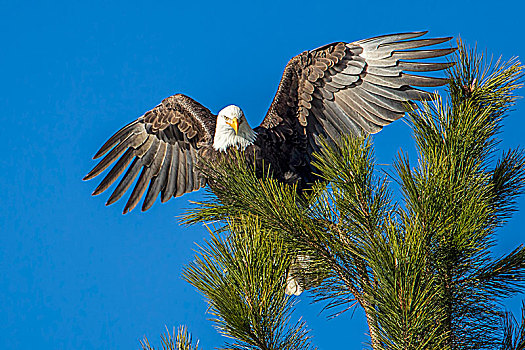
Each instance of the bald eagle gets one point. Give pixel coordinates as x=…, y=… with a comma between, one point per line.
x=340, y=88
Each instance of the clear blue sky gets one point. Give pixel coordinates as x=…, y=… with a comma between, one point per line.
x=76, y=274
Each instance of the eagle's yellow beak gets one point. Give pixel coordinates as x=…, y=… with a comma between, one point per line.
x=234, y=124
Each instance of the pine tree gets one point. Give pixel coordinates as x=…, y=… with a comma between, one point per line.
x=420, y=267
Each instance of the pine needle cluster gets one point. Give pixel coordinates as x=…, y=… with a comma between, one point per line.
x=180, y=341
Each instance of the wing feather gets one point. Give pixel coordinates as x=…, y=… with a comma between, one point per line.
x=359, y=122
x=152, y=161
x=382, y=101
x=181, y=176
x=126, y=181
x=327, y=128
x=421, y=54
x=388, y=38
x=344, y=80
x=115, y=172
x=390, y=71
x=164, y=143
x=197, y=183
x=419, y=80
x=413, y=44
x=423, y=66
x=138, y=190
x=365, y=110
x=356, y=87
x=157, y=183
x=171, y=185
x=189, y=171
x=396, y=94
x=119, y=135
x=377, y=111
x=113, y=155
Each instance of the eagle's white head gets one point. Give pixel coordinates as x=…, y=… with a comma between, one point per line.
x=232, y=129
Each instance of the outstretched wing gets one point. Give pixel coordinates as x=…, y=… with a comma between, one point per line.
x=164, y=143
x=354, y=87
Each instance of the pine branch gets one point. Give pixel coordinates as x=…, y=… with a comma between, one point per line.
x=513, y=331
x=508, y=179
x=304, y=222
x=243, y=277
x=458, y=201
x=181, y=341
x=503, y=277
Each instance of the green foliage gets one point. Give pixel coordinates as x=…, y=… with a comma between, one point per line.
x=514, y=331
x=421, y=269
x=458, y=200
x=181, y=341
x=243, y=277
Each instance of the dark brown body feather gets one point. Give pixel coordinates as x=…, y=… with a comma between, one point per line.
x=340, y=88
